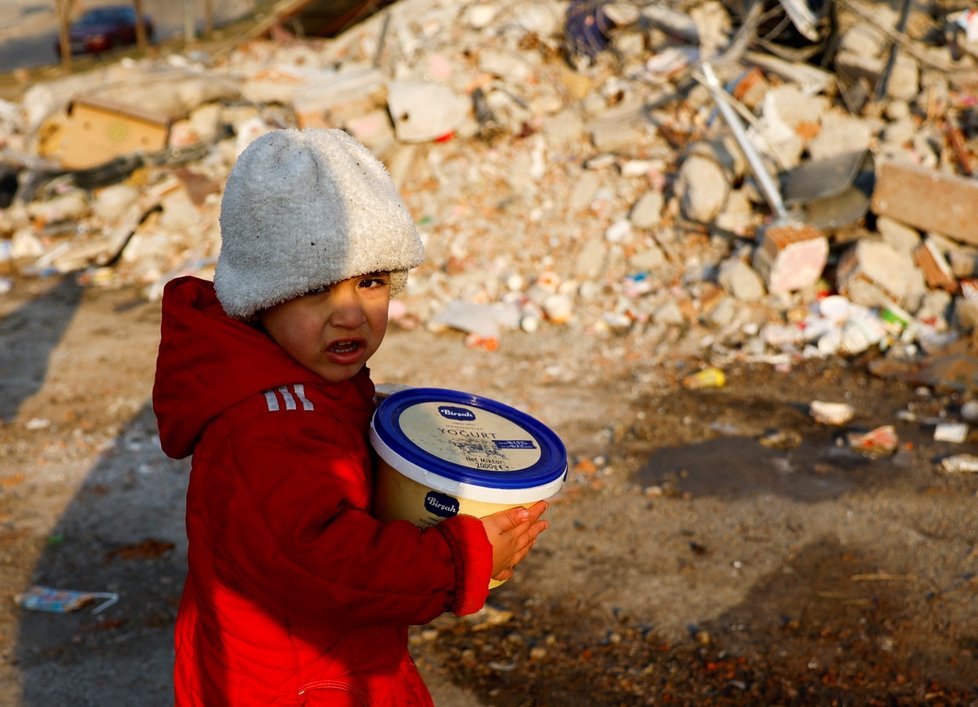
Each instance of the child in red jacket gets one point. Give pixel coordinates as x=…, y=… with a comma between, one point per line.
x=295, y=594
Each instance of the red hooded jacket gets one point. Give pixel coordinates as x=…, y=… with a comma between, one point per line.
x=295, y=594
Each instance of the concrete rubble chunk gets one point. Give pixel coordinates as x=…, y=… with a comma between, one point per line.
x=927, y=199
x=904, y=81
x=564, y=130
x=648, y=258
x=647, y=211
x=791, y=257
x=424, y=111
x=703, y=186
x=839, y=134
x=872, y=273
x=71, y=206
x=333, y=98
x=740, y=280
x=899, y=236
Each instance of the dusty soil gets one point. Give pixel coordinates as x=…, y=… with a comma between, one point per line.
x=687, y=562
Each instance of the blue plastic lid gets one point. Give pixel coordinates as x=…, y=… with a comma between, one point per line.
x=455, y=440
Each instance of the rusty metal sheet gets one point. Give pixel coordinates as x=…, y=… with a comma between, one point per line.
x=928, y=200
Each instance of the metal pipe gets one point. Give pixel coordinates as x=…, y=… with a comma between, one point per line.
x=768, y=188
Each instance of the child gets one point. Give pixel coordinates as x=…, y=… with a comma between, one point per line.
x=295, y=594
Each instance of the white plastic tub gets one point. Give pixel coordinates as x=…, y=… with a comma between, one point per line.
x=445, y=452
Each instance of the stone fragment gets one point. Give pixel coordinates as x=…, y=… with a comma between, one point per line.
x=792, y=106
x=590, y=261
x=840, y=133
x=965, y=316
x=71, y=206
x=860, y=67
x=791, y=257
x=650, y=257
x=559, y=308
x=740, y=280
x=504, y=65
x=563, y=131
x=585, y=187
x=608, y=136
x=25, y=244
x=479, y=16
x=669, y=314
x=374, y=130
x=964, y=263
x=722, y=313
x=647, y=211
x=863, y=39
x=113, y=201
x=935, y=308
x=738, y=213
x=703, y=188
x=619, y=232
x=872, y=273
x=901, y=237
x=904, y=81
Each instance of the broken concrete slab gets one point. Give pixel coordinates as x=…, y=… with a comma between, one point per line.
x=424, y=111
x=927, y=199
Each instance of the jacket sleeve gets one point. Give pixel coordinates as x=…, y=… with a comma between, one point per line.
x=298, y=539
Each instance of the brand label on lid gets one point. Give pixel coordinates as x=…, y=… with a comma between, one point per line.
x=455, y=413
x=440, y=504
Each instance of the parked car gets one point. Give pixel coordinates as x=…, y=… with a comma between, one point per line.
x=100, y=29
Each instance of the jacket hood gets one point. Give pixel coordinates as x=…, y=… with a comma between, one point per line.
x=208, y=363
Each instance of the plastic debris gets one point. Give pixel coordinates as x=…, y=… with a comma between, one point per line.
x=706, y=378
x=879, y=442
x=956, y=432
x=960, y=464
x=828, y=413
x=63, y=601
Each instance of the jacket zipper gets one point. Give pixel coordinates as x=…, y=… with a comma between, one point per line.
x=334, y=685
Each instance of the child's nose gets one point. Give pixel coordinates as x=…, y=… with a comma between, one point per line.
x=347, y=309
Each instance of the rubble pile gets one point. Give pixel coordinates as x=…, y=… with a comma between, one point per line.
x=764, y=183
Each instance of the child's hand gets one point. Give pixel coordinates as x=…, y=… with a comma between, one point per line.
x=512, y=533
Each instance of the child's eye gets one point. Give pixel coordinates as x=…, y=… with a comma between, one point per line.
x=374, y=281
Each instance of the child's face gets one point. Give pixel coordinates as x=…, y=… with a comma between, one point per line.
x=333, y=331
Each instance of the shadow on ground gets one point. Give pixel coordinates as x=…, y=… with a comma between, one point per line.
x=29, y=335
x=123, y=533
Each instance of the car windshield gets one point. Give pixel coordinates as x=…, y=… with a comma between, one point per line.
x=102, y=15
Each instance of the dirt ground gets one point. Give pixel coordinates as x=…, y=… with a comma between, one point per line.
x=687, y=562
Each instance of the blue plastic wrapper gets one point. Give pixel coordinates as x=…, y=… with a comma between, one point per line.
x=63, y=601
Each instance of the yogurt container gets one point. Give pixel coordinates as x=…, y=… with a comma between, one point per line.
x=445, y=452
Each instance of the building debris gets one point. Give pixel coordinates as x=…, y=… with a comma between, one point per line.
x=566, y=167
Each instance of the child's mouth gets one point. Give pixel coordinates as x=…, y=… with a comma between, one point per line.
x=343, y=347
x=346, y=352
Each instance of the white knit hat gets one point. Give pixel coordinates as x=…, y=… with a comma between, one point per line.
x=308, y=208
